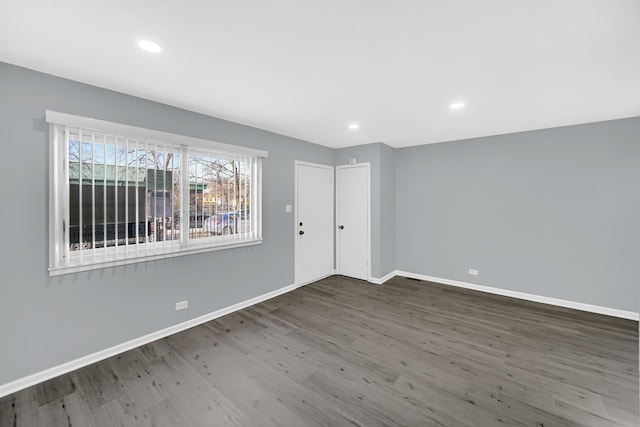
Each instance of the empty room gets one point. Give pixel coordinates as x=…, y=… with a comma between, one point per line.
x=320, y=213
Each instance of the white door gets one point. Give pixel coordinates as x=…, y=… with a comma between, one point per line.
x=353, y=218
x=314, y=222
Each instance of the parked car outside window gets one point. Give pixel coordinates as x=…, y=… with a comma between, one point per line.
x=225, y=223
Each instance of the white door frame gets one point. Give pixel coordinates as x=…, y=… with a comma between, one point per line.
x=366, y=165
x=296, y=220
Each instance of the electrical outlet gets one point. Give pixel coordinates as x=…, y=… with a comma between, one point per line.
x=473, y=272
x=181, y=305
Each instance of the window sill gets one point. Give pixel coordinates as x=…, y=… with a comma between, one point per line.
x=58, y=271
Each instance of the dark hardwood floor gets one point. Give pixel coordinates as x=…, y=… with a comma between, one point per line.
x=344, y=352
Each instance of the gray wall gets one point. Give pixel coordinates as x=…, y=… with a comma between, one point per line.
x=387, y=210
x=47, y=321
x=382, y=159
x=551, y=212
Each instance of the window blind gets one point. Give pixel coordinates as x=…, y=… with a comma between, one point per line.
x=118, y=196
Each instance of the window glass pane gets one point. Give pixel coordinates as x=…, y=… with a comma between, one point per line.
x=220, y=195
x=122, y=191
x=163, y=189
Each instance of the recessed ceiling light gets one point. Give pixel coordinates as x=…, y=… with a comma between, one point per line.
x=353, y=126
x=456, y=105
x=149, y=46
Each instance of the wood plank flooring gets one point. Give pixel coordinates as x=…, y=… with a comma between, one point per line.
x=344, y=352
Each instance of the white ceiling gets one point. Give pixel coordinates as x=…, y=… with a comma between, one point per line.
x=308, y=68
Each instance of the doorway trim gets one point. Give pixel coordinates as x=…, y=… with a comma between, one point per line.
x=366, y=165
x=296, y=221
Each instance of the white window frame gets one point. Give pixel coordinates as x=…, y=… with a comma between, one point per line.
x=60, y=261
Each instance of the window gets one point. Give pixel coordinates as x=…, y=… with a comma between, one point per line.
x=121, y=194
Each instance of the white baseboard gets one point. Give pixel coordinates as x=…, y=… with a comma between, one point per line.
x=525, y=296
x=381, y=280
x=28, y=381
